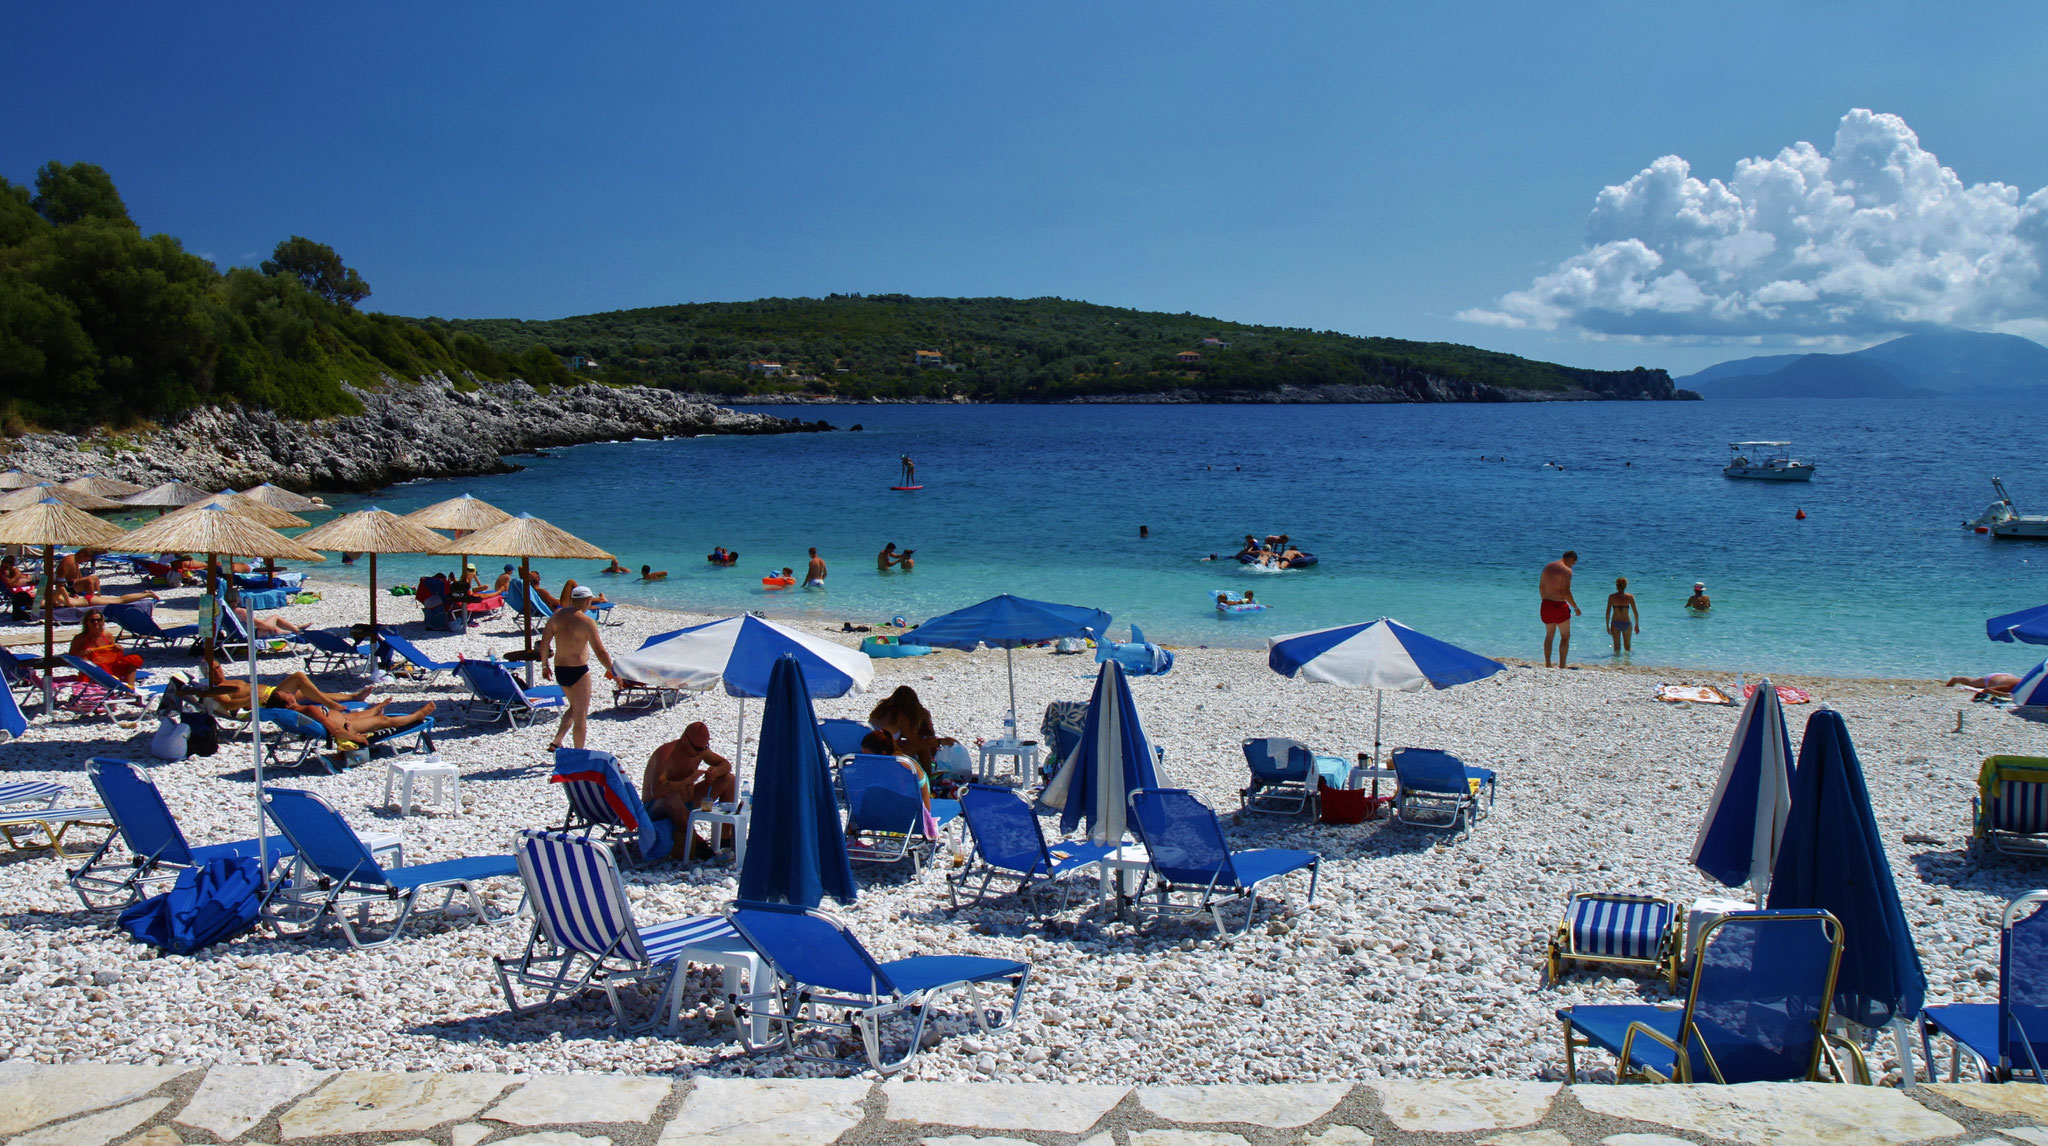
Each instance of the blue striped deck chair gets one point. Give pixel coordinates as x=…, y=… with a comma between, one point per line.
x=330, y=652
x=2021, y=1011
x=1009, y=842
x=300, y=740
x=2010, y=812
x=1188, y=856
x=1437, y=784
x=344, y=879
x=582, y=920
x=1757, y=1011
x=495, y=694
x=426, y=667
x=1285, y=776
x=886, y=818
x=818, y=965
x=97, y=692
x=603, y=801
x=1613, y=927
x=140, y=626
x=157, y=849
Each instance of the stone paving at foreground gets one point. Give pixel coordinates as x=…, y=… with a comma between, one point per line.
x=94, y=1105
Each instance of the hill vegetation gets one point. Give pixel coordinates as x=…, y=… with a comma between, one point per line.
x=101, y=324
x=1006, y=350
x=1925, y=365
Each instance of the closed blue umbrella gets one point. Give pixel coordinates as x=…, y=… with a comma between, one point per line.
x=2028, y=626
x=1379, y=655
x=1112, y=759
x=1832, y=857
x=796, y=850
x=1005, y=622
x=1745, y=822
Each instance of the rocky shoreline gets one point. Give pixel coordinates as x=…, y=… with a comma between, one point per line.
x=431, y=428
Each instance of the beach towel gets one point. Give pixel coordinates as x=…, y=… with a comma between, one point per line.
x=1787, y=694
x=209, y=904
x=1692, y=693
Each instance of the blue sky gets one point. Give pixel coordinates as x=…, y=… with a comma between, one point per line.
x=1425, y=173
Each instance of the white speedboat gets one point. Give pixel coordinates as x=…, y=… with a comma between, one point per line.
x=2002, y=520
x=1766, y=461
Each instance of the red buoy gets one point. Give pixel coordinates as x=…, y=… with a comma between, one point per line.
x=1983, y=529
x=1800, y=516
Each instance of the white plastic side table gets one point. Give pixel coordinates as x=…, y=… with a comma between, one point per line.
x=1024, y=753
x=402, y=771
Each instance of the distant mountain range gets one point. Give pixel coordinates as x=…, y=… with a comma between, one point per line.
x=1963, y=363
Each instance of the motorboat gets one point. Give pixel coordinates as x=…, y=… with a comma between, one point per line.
x=1766, y=461
x=2002, y=520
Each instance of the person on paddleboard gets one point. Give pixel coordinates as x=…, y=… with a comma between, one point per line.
x=909, y=471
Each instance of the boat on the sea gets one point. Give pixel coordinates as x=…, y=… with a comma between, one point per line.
x=1766, y=461
x=2000, y=519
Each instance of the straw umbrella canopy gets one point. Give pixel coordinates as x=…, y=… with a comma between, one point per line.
x=169, y=495
x=216, y=529
x=50, y=523
x=373, y=531
x=526, y=537
x=244, y=506
x=75, y=498
x=465, y=514
x=102, y=486
x=277, y=497
x=16, y=479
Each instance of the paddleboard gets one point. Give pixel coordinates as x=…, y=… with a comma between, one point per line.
x=906, y=488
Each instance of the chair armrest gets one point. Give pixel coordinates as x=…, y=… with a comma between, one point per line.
x=1681, y=1063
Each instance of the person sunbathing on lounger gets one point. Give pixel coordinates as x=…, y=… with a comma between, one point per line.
x=233, y=695
x=62, y=598
x=94, y=643
x=76, y=579
x=1996, y=683
x=353, y=730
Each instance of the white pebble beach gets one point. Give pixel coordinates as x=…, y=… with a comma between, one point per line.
x=1418, y=957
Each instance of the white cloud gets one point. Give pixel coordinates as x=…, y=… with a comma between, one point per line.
x=1873, y=236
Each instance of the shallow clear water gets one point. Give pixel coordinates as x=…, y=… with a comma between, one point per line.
x=1407, y=519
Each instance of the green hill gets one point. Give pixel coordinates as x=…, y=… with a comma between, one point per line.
x=1013, y=350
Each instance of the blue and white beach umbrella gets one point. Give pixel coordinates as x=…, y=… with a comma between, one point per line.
x=1381, y=655
x=1745, y=823
x=1004, y=622
x=1112, y=760
x=2032, y=690
x=2028, y=626
x=740, y=653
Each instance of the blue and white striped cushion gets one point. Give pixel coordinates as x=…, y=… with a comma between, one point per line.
x=663, y=940
x=27, y=791
x=2022, y=806
x=586, y=800
x=1618, y=929
x=577, y=894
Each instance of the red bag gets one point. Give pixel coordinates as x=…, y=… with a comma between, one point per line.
x=1344, y=805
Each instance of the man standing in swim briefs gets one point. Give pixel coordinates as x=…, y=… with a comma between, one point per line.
x=572, y=636
x=1555, y=587
x=815, y=575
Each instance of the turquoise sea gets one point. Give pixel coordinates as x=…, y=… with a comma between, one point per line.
x=1438, y=515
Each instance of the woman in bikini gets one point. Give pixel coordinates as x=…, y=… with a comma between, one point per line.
x=1623, y=617
x=95, y=644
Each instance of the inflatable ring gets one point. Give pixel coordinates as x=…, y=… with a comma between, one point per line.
x=778, y=582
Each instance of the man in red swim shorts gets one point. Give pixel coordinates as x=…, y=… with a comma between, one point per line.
x=1555, y=587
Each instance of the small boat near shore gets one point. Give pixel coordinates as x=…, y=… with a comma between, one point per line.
x=1766, y=461
x=2000, y=519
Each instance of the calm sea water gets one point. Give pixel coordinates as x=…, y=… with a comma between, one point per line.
x=1407, y=507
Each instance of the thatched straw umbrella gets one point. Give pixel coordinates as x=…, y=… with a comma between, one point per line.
x=526, y=537
x=76, y=499
x=279, y=497
x=373, y=531
x=16, y=479
x=169, y=495
x=242, y=505
x=100, y=485
x=50, y=523
x=465, y=514
x=213, y=530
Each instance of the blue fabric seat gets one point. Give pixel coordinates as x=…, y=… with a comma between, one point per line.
x=495, y=694
x=2007, y=1039
x=603, y=801
x=1009, y=842
x=1286, y=774
x=295, y=731
x=97, y=692
x=885, y=812
x=820, y=966
x=157, y=849
x=1438, y=784
x=1187, y=854
x=140, y=626
x=405, y=650
x=346, y=879
x=1758, y=1010
x=328, y=652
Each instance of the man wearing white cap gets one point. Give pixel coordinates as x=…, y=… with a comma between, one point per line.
x=572, y=636
x=1699, y=602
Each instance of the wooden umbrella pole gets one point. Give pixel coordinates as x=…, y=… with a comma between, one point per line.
x=526, y=618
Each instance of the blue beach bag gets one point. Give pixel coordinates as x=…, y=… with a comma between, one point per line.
x=209, y=904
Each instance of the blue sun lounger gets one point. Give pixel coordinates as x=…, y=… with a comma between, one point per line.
x=2007, y=1039
x=885, y=812
x=583, y=919
x=328, y=652
x=139, y=626
x=95, y=691
x=345, y=879
x=495, y=694
x=1285, y=775
x=1009, y=842
x=1188, y=854
x=1438, y=790
x=405, y=650
x=1758, y=1010
x=819, y=965
x=157, y=849
x=602, y=800
x=309, y=737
